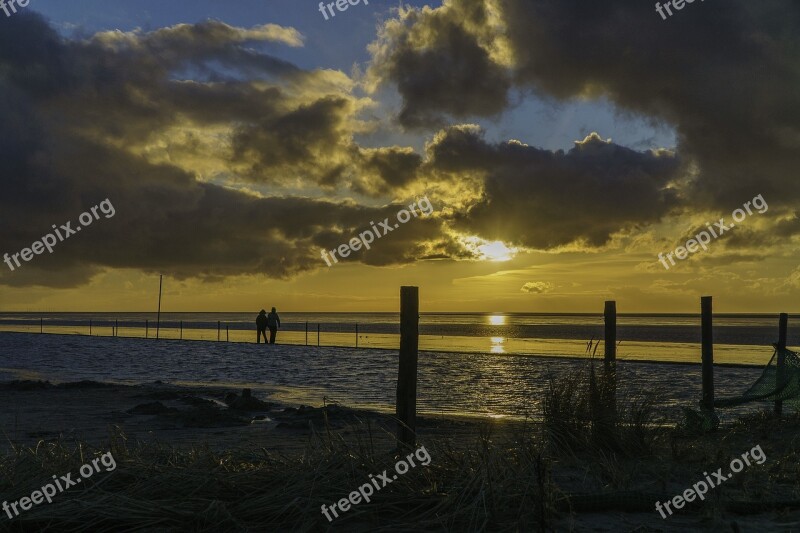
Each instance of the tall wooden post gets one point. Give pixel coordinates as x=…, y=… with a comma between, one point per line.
x=41, y=325
x=218, y=329
x=706, y=323
x=181, y=333
x=610, y=363
x=116, y=327
x=90, y=327
x=356, y=335
x=406, y=407
x=306, y=332
x=146, y=328
x=610, y=316
x=780, y=377
x=317, y=335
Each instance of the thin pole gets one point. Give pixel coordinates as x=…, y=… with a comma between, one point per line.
x=306, y=333
x=146, y=328
x=181, y=337
x=218, y=327
x=356, y=335
x=783, y=327
x=41, y=325
x=116, y=327
x=706, y=324
x=90, y=327
x=406, y=406
x=227, y=334
x=158, y=316
x=317, y=334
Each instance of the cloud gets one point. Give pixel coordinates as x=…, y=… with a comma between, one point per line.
x=544, y=199
x=158, y=123
x=537, y=287
x=703, y=72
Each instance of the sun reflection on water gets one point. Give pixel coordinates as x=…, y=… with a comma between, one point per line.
x=498, y=345
x=497, y=320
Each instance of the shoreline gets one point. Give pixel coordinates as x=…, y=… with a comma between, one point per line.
x=445, y=352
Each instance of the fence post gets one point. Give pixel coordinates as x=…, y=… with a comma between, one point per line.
x=317, y=334
x=356, y=335
x=218, y=328
x=406, y=407
x=610, y=364
x=90, y=327
x=306, y=333
x=116, y=327
x=227, y=334
x=780, y=376
x=41, y=325
x=146, y=328
x=706, y=323
x=181, y=334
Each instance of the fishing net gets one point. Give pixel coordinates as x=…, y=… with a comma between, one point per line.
x=771, y=386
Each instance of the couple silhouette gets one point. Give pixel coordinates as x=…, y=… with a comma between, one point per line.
x=264, y=321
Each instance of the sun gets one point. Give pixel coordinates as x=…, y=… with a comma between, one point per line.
x=485, y=250
x=496, y=251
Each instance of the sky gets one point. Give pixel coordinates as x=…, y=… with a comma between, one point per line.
x=566, y=149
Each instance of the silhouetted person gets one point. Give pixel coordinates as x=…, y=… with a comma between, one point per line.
x=261, y=325
x=273, y=322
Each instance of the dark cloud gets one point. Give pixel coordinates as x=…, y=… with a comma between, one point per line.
x=725, y=77
x=109, y=117
x=543, y=199
x=440, y=67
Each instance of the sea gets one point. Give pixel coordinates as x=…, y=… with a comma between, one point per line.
x=472, y=364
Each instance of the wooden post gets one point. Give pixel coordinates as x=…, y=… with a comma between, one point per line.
x=218, y=330
x=780, y=377
x=146, y=328
x=317, y=335
x=90, y=327
x=609, y=396
x=707, y=352
x=41, y=325
x=158, y=316
x=356, y=335
x=227, y=334
x=116, y=327
x=306, y=333
x=406, y=407
x=610, y=316
x=181, y=334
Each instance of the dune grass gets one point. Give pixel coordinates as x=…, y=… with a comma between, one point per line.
x=521, y=477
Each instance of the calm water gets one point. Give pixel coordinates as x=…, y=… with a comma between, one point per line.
x=454, y=383
x=744, y=339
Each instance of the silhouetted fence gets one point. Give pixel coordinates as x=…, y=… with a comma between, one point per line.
x=142, y=329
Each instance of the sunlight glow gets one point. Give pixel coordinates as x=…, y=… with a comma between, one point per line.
x=497, y=251
x=497, y=320
x=489, y=250
x=497, y=345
